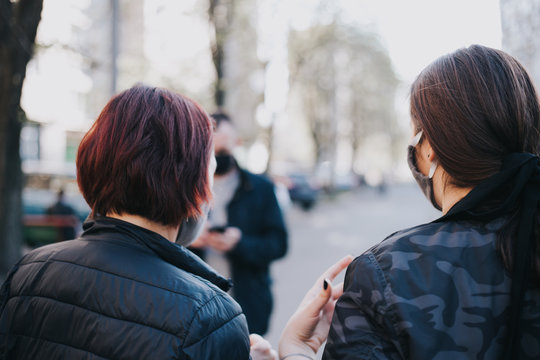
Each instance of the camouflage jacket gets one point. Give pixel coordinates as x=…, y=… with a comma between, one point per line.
x=435, y=291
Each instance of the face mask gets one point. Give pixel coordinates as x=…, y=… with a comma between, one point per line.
x=191, y=228
x=224, y=163
x=425, y=182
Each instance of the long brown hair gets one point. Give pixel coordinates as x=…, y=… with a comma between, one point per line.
x=475, y=106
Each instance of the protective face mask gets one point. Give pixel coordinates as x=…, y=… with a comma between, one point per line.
x=191, y=228
x=425, y=182
x=224, y=163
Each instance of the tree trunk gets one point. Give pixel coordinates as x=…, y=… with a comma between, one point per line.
x=220, y=13
x=18, y=27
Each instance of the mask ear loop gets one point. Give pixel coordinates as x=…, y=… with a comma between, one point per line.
x=416, y=139
x=432, y=168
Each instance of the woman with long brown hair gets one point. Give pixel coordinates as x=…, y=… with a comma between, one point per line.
x=467, y=285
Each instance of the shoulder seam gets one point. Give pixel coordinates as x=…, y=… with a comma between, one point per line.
x=114, y=274
x=383, y=281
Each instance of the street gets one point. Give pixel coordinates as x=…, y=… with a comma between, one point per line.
x=350, y=223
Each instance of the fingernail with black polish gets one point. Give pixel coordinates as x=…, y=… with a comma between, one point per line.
x=325, y=284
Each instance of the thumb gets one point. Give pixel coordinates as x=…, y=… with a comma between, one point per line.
x=314, y=307
x=254, y=339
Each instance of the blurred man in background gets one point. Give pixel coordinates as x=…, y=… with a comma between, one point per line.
x=246, y=230
x=60, y=207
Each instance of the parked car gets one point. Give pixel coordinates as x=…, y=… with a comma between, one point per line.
x=302, y=191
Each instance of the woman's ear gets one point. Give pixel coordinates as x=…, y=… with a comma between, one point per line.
x=425, y=158
x=426, y=151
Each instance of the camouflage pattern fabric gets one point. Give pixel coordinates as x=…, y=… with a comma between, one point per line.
x=435, y=291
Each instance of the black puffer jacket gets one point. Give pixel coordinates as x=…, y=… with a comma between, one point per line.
x=118, y=292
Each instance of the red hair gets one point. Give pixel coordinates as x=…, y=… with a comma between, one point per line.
x=147, y=154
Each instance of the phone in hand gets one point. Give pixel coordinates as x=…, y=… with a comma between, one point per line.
x=218, y=228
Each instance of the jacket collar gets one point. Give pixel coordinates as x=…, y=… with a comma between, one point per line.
x=172, y=253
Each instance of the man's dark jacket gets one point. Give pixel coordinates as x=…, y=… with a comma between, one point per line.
x=118, y=292
x=255, y=211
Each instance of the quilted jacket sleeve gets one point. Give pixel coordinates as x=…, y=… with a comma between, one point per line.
x=4, y=297
x=218, y=331
x=362, y=327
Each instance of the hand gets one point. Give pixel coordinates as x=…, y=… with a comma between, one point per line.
x=307, y=329
x=225, y=241
x=260, y=349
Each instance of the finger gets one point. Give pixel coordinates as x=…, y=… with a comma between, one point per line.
x=338, y=267
x=314, y=306
x=254, y=338
x=329, y=275
x=337, y=290
x=260, y=345
x=214, y=240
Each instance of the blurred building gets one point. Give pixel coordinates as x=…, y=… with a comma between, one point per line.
x=80, y=48
x=89, y=50
x=520, y=20
x=86, y=51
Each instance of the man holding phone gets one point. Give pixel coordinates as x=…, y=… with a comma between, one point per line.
x=246, y=230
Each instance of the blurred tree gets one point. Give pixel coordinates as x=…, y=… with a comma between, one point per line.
x=312, y=75
x=18, y=26
x=372, y=84
x=520, y=21
x=239, y=84
x=346, y=85
x=220, y=14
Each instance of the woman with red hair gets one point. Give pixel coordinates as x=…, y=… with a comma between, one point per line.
x=128, y=288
